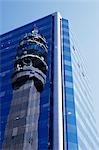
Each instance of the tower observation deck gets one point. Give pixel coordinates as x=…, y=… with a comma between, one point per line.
x=28, y=79
x=31, y=60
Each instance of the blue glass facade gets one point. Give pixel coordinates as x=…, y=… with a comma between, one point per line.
x=79, y=130
x=9, y=44
x=70, y=130
x=87, y=133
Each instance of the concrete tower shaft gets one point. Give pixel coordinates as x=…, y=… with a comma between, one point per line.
x=28, y=80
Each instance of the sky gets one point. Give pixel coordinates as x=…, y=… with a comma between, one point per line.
x=83, y=16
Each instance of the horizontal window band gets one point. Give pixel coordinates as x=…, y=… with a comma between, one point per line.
x=68, y=84
x=72, y=137
x=68, y=78
x=71, y=120
x=66, y=53
x=69, y=97
x=70, y=90
x=68, y=73
x=69, y=68
x=72, y=146
x=66, y=40
x=71, y=128
x=65, y=48
x=67, y=57
x=70, y=104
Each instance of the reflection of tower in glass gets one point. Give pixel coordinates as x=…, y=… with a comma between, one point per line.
x=28, y=79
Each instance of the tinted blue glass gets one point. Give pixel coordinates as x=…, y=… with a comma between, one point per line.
x=69, y=68
x=69, y=78
x=69, y=91
x=70, y=118
x=69, y=97
x=8, y=49
x=66, y=41
x=70, y=104
x=72, y=137
x=67, y=57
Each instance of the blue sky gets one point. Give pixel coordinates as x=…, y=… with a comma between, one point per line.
x=83, y=16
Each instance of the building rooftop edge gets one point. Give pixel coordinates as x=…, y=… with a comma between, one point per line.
x=53, y=14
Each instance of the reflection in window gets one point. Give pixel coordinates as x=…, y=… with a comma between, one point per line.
x=14, y=132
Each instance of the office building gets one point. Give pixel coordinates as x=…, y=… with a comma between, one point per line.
x=44, y=96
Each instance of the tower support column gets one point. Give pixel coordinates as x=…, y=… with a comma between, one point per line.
x=28, y=80
x=22, y=128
